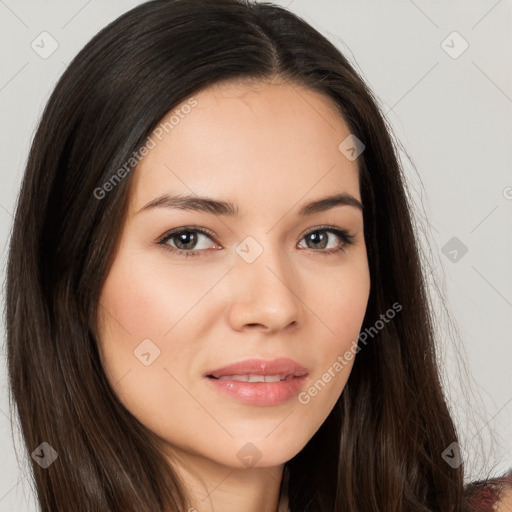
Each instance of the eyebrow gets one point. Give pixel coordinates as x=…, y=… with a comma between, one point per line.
x=218, y=207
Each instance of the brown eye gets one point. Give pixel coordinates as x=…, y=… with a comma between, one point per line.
x=318, y=239
x=321, y=238
x=184, y=240
x=187, y=241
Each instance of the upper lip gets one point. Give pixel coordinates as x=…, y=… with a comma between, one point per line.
x=281, y=366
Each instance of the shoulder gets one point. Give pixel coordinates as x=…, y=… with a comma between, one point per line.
x=490, y=494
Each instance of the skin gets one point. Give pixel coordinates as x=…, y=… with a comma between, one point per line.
x=268, y=148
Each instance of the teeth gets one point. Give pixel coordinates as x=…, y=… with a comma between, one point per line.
x=254, y=378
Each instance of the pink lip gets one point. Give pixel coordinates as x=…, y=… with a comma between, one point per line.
x=279, y=366
x=260, y=393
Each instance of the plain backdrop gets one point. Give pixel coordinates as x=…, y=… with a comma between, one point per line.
x=441, y=72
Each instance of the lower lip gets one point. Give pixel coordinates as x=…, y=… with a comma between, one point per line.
x=259, y=393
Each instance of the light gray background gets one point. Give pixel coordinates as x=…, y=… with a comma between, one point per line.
x=454, y=119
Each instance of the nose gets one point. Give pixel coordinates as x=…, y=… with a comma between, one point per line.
x=264, y=294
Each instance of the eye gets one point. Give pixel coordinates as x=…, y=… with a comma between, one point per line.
x=184, y=240
x=193, y=241
x=323, y=237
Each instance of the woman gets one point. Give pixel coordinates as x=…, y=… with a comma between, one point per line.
x=212, y=236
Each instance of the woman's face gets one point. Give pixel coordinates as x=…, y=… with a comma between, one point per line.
x=265, y=281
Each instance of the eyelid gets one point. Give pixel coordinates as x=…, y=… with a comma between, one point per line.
x=323, y=227
x=175, y=231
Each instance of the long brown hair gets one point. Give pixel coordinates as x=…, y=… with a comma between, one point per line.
x=381, y=448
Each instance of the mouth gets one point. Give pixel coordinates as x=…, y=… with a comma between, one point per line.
x=254, y=378
x=275, y=369
x=259, y=382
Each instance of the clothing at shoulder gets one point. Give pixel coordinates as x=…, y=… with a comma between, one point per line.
x=490, y=494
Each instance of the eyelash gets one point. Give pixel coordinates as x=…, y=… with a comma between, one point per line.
x=346, y=238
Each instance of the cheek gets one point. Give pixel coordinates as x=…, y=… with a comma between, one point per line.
x=340, y=306
x=145, y=354
x=137, y=314
x=145, y=297
x=339, y=298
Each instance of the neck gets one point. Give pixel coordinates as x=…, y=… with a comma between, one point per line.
x=213, y=487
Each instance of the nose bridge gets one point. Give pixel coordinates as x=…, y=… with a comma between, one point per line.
x=265, y=285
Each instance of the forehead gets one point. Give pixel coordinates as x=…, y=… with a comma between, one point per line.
x=253, y=142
